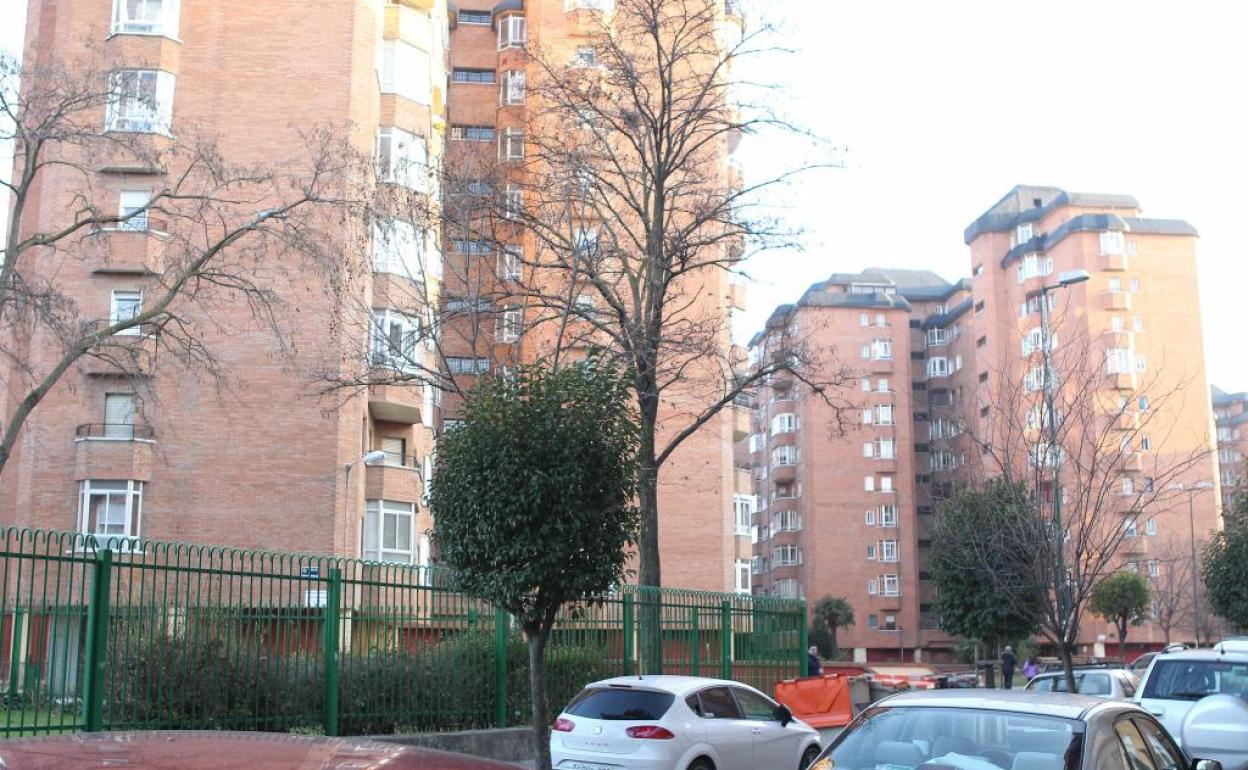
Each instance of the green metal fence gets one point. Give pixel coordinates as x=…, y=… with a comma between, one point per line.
x=150, y=635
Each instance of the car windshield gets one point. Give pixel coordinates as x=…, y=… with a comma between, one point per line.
x=1194, y=679
x=1088, y=684
x=901, y=738
x=629, y=705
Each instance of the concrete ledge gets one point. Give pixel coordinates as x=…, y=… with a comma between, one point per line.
x=511, y=744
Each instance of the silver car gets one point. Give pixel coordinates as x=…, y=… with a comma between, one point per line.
x=1113, y=683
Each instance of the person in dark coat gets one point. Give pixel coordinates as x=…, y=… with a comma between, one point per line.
x=813, y=666
x=1007, y=667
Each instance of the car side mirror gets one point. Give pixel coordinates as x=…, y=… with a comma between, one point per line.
x=1206, y=764
x=784, y=716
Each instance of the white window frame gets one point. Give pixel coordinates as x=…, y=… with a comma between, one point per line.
x=868, y=483
x=131, y=494
x=888, y=550
x=150, y=17
x=379, y=516
x=786, y=521
x=513, y=201
x=1119, y=361
x=864, y=319
x=757, y=442
x=401, y=354
x=508, y=325
x=885, y=449
x=476, y=20
x=892, y=585
x=886, y=483
x=882, y=385
x=510, y=260
x=884, y=414
x=937, y=366
x=743, y=507
x=114, y=429
x=126, y=304
x=398, y=248
x=873, y=587
x=870, y=517
x=406, y=70
x=888, y=515
x=786, y=555
x=403, y=158
x=511, y=144
x=513, y=32
x=467, y=365
x=1023, y=233
x=514, y=88
x=129, y=202
x=1150, y=527
x=882, y=349
x=743, y=572
x=1113, y=243
x=785, y=455
x=141, y=105
x=785, y=422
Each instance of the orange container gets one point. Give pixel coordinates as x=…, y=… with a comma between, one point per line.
x=819, y=701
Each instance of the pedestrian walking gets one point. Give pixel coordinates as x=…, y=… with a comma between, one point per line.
x=1007, y=667
x=1031, y=668
x=813, y=666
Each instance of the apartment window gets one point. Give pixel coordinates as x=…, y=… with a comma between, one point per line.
x=884, y=414
x=873, y=621
x=510, y=260
x=1154, y=568
x=1118, y=360
x=1150, y=527
x=756, y=442
x=145, y=17
x=784, y=455
x=788, y=588
x=885, y=449
x=112, y=510
x=1113, y=244
x=133, y=209
x=1135, y=285
x=473, y=133
x=467, y=75
x=1141, y=362
x=1022, y=234
x=786, y=521
x=395, y=448
x=938, y=367
x=511, y=144
x=405, y=70
x=881, y=349
x=463, y=365
x=882, y=386
x=514, y=87
x=388, y=529
x=1130, y=526
x=742, y=572
x=140, y=101
x=1115, y=284
x=402, y=158
x=892, y=585
x=395, y=339
x=871, y=552
x=743, y=512
x=981, y=342
x=126, y=304
x=1146, y=443
x=481, y=18
x=1128, y=485
x=1143, y=403
x=786, y=555
x=1137, y=324
x=868, y=483
x=119, y=412
x=1115, y=323
x=508, y=324
x=879, y=320
x=873, y=587
x=888, y=515
x=870, y=518
x=512, y=32
x=758, y=565
x=1034, y=265
x=397, y=248
x=979, y=307
x=785, y=422
x=886, y=483
x=1228, y=478
x=864, y=319
x=888, y=550
x=868, y=416
x=585, y=56
x=866, y=384
x=868, y=449
x=936, y=337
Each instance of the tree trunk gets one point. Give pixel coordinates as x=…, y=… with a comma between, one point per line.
x=649, y=573
x=1068, y=663
x=832, y=630
x=1122, y=638
x=537, y=686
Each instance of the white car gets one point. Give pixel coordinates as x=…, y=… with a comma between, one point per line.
x=1201, y=697
x=678, y=723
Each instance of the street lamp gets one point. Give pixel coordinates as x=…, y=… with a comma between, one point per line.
x=1068, y=278
x=371, y=458
x=1191, y=524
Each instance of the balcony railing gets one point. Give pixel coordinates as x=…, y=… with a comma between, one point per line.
x=116, y=430
x=399, y=460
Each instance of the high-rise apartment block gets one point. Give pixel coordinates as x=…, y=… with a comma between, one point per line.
x=1230, y=411
x=948, y=386
x=422, y=86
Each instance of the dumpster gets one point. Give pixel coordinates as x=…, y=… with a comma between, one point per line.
x=819, y=701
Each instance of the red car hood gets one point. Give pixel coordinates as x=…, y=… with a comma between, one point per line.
x=224, y=751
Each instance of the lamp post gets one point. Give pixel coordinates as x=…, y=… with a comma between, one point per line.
x=371, y=458
x=1199, y=486
x=1068, y=278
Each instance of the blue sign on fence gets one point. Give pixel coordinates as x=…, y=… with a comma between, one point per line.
x=310, y=572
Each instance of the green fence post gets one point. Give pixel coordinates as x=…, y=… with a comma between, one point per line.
x=97, y=642
x=803, y=634
x=502, y=625
x=15, y=659
x=697, y=644
x=725, y=640
x=628, y=634
x=331, y=654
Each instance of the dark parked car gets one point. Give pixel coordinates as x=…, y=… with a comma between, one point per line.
x=216, y=750
x=987, y=729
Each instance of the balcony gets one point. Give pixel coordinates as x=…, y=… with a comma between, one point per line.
x=138, y=251
x=398, y=478
x=781, y=474
x=1115, y=262
x=1121, y=380
x=121, y=355
x=1117, y=300
x=1135, y=545
x=880, y=365
x=113, y=451
x=1134, y=463
x=1118, y=339
x=740, y=422
x=396, y=403
x=1127, y=421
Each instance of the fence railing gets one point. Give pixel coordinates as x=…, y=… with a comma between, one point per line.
x=171, y=636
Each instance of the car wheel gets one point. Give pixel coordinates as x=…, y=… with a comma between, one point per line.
x=702, y=763
x=808, y=757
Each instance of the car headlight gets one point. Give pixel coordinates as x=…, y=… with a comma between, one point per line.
x=824, y=764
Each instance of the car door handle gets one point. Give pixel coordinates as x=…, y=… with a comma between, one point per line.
x=756, y=730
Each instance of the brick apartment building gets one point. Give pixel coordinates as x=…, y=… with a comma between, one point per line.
x=269, y=465
x=845, y=510
x=1230, y=411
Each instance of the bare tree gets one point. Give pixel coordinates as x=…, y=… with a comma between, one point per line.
x=210, y=234
x=1117, y=458
x=1171, y=586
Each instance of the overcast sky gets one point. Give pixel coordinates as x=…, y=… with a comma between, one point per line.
x=943, y=107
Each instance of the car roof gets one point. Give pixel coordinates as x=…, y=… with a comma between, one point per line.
x=1205, y=654
x=1056, y=704
x=677, y=685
